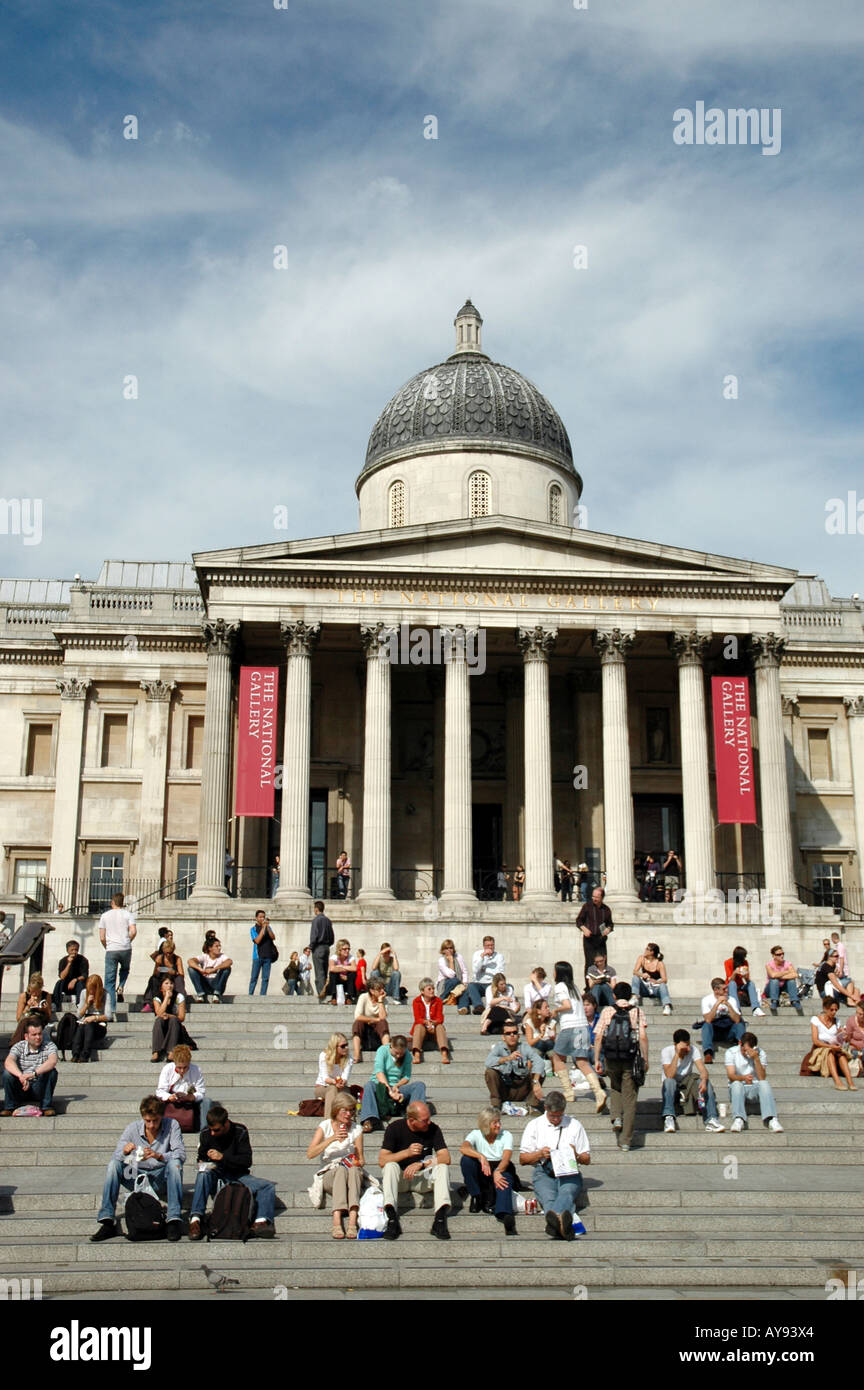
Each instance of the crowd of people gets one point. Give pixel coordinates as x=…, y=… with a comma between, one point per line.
x=584, y=1031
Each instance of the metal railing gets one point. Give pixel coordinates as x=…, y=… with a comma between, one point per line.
x=741, y=884
x=846, y=903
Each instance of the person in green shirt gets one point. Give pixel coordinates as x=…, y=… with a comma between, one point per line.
x=390, y=1088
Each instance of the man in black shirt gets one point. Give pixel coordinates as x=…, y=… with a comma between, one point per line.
x=321, y=938
x=225, y=1147
x=72, y=972
x=414, y=1158
x=595, y=923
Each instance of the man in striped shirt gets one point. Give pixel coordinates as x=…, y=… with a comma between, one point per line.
x=30, y=1072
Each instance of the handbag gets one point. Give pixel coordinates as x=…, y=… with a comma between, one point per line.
x=183, y=1113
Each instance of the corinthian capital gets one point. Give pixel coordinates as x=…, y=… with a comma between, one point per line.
x=73, y=688
x=688, y=648
x=300, y=638
x=219, y=637
x=157, y=690
x=614, y=645
x=766, y=649
x=371, y=638
x=854, y=705
x=536, y=642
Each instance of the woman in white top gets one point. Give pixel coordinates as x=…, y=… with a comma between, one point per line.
x=334, y=1070
x=574, y=1037
x=502, y=1006
x=371, y=1028
x=337, y=1144
x=343, y=971
x=537, y=990
x=539, y=1028
x=452, y=972
x=827, y=1046
x=486, y=1162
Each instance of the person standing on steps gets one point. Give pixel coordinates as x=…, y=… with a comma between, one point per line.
x=263, y=951
x=622, y=1038
x=595, y=923
x=572, y=1038
x=117, y=931
x=321, y=938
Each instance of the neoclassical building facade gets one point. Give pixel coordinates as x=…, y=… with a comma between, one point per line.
x=571, y=718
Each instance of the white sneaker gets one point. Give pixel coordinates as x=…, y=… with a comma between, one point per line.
x=508, y=1108
x=667, y=1008
x=617, y=1123
x=715, y=1127
x=737, y=1125
x=774, y=1125
x=758, y=1013
x=669, y=1124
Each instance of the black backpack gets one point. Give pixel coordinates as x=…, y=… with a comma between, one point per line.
x=144, y=1217
x=64, y=1033
x=621, y=1039
x=231, y=1217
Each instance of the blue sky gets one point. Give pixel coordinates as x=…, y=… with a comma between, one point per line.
x=304, y=127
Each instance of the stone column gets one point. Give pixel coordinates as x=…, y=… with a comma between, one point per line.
x=536, y=644
x=512, y=685
x=613, y=648
x=698, y=849
x=458, y=866
x=300, y=641
x=375, y=860
x=436, y=681
x=155, y=769
x=855, y=719
x=766, y=650
x=585, y=686
x=67, y=783
x=790, y=713
x=219, y=638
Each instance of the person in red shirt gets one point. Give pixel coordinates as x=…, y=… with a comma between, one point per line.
x=429, y=1019
x=361, y=972
x=739, y=981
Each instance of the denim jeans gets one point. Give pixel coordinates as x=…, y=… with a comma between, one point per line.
x=670, y=1096
x=557, y=1194
x=446, y=987
x=113, y=961
x=775, y=986
x=727, y=1030
x=40, y=1091
x=61, y=992
x=412, y=1090
x=264, y=1193
x=641, y=990
x=261, y=967
x=291, y=987
x=475, y=995
x=480, y=1186
x=757, y=1090
x=752, y=994
x=165, y=1178
x=392, y=986
x=209, y=984
x=602, y=995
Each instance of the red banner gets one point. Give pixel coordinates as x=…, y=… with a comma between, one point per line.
x=733, y=751
x=256, y=740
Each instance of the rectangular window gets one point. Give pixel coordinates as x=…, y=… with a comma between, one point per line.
x=115, y=740
x=106, y=879
x=28, y=873
x=828, y=885
x=819, y=746
x=318, y=843
x=187, y=868
x=194, y=741
x=40, y=739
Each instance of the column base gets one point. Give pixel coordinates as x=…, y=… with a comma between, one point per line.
x=458, y=899
x=371, y=896
x=618, y=898
x=293, y=898
x=208, y=893
x=540, y=898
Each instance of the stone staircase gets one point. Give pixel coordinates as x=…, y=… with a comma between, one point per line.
x=688, y=1215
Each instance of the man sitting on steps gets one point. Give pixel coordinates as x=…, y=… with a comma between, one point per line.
x=226, y=1153
x=685, y=1072
x=414, y=1158
x=514, y=1070
x=151, y=1145
x=30, y=1072
x=720, y=1015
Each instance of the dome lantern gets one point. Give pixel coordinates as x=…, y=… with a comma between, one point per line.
x=468, y=325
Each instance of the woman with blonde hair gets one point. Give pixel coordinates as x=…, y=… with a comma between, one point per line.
x=334, y=1070
x=486, y=1163
x=342, y=970
x=34, y=1005
x=337, y=1144
x=452, y=973
x=502, y=1006
x=92, y=1021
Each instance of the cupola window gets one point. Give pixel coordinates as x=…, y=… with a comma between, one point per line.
x=556, y=498
x=479, y=489
x=396, y=504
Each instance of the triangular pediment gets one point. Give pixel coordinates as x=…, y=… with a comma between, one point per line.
x=495, y=544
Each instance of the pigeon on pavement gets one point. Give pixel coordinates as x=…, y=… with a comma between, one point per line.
x=219, y=1282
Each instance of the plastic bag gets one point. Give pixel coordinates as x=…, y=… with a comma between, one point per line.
x=371, y=1218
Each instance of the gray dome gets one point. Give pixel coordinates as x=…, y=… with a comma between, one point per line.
x=468, y=401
